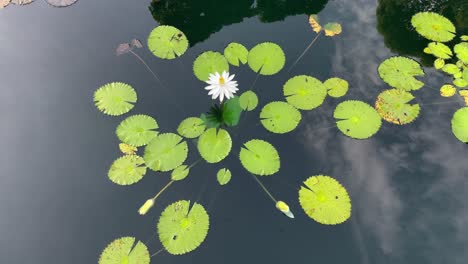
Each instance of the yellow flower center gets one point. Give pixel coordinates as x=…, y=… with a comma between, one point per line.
x=221, y=80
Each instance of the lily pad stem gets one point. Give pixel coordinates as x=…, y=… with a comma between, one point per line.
x=159, y=251
x=304, y=52
x=264, y=188
x=162, y=190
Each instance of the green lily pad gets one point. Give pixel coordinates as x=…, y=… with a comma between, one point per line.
x=166, y=152
x=236, y=53
x=439, y=63
x=357, y=119
x=280, y=117
x=137, y=130
x=460, y=82
x=259, y=157
x=223, y=176
x=124, y=250
x=167, y=42
x=248, y=100
x=452, y=69
x=399, y=72
x=332, y=29
x=127, y=170
x=440, y=50
x=115, y=98
x=191, y=127
x=304, y=92
x=232, y=111
x=214, y=145
x=325, y=200
x=209, y=62
x=336, y=87
x=433, y=26
x=180, y=173
x=460, y=124
x=182, y=228
x=461, y=49
x=394, y=107
x=266, y=58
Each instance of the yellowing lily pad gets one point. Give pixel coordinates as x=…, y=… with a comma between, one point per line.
x=314, y=23
x=332, y=29
x=394, y=107
x=439, y=63
x=447, y=90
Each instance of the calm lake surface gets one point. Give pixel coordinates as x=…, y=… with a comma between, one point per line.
x=408, y=184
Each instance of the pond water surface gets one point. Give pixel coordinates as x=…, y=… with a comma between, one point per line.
x=408, y=184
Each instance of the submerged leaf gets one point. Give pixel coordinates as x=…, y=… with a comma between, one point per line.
x=460, y=124
x=266, y=58
x=399, y=72
x=357, y=119
x=394, y=107
x=167, y=42
x=123, y=48
x=232, y=111
x=191, y=127
x=115, y=98
x=304, y=92
x=127, y=170
x=325, y=200
x=433, y=26
x=209, y=62
x=180, y=173
x=279, y=117
x=61, y=3
x=124, y=250
x=137, y=130
x=461, y=49
x=332, y=29
x=236, y=53
x=214, y=145
x=439, y=63
x=248, y=100
x=447, y=90
x=223, y=176
x=336, y=87
x=259, y=157
x=314, y=23
x=21, y=2
x=440, y=50
x=166, y=152
x=136, y=43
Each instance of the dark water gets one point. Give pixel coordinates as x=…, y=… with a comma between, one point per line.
x=408, y=184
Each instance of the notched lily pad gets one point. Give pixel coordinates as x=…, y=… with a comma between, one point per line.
x=394, y=107
x=125, y=250
x=209, y=62
x=267, y=58
x=259, y=157
x=165, y=152
x=280, y=117
x=304, y=92
x=127, y=170
x=399, y=72
x=167, y=42
x=236, y=53
x=248, y=100
x=357, y=119
x=336, y=87
x=223, y=176
x=433, y=26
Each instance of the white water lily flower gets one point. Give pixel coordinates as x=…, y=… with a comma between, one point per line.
x=221, y=86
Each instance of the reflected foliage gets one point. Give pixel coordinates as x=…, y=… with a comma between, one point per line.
x=198, y=19
x=394, y=23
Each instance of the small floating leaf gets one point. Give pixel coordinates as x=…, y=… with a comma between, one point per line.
x=191, y=127
x=439, y=63
x=127, y=149
x=447, y=90
x=336, y=87
x=167, y=42
x=433, y=26
x=399, y=73
x=325, y=200
x=451, y=69
x=461, y=49
x=137, y=130
x=464, y=95
x=464, y=38
x=209, y=62
x=460, y=124
x=267, y=58
x=394, y=107
x=61, y=3
x=279, y=117
x=332, y=29
x=223, y=176
x=124, y=250
x=180, y=173
x=357, y=119
x=214, y=145
x=127, y=170
x=459, y=82
x=115, y=98
x=182, y=228
x=259, y=157
x=440, y=50
x=314, y=23
x=236, y=53
x=166, y=152
x=304, y=92
x=248, y=100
